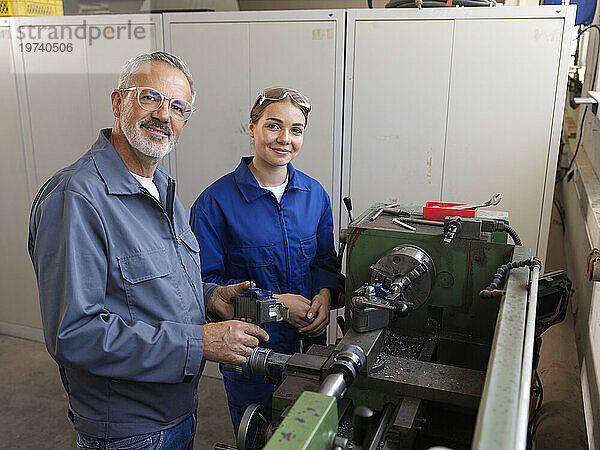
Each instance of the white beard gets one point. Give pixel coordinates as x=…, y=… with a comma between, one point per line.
x=153, y=148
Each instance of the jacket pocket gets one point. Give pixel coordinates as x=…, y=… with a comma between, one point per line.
x=309, y=247
x=253, y=263
x=191, y=243
x=144, y=266
x=146, y=275
x=252, y=256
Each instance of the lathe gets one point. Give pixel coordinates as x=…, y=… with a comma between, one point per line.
x=430, y=356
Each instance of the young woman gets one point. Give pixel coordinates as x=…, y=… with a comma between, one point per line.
x=272, y=224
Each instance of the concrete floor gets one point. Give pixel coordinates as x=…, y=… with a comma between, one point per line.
x=33, y=412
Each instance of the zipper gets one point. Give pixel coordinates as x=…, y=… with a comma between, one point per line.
x=170, y=203
x=170, y=197
x=170, y=206
x=285, y=239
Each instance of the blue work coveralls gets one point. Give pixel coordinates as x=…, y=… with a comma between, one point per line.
x=122, y=300
x=245, y=234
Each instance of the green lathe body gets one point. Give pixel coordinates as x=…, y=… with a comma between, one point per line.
x=310, y=424
x=450, y=367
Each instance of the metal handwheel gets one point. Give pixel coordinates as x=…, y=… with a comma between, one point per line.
x=254, y=412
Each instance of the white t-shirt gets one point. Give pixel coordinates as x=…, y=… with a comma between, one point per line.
x=148, y=183
x=276, y=190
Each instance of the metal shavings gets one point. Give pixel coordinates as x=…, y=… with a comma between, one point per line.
x=403, y=346
x=345, y=426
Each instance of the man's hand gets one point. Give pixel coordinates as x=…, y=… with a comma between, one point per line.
x=221, y=303
x=298, y=307
x=319, y=311
x=230, y=342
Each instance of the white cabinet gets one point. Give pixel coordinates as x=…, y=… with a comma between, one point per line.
x=455, y=104
x=55, y=101
x=66, y=93
x=233, y=58
x=500, y=118
x=19, y=304
x=397, y=122
x=216, y=135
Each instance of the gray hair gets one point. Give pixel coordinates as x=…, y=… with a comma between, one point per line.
x=133, y=65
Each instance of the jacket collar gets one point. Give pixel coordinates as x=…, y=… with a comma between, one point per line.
x=251, y=190
x=114, y=172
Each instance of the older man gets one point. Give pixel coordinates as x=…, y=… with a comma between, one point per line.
x=118, y=269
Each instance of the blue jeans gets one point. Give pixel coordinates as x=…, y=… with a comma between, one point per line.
x=179, y=437
x=242, y=392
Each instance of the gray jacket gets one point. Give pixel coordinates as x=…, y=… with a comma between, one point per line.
x=121, y=295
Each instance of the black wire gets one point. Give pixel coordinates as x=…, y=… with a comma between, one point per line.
x=513, y=234
x=560, y=210
x=583, y=30
x=531, y=426
x=561, y=213
x=578, y=140
x=489, y=291
x=597, y=28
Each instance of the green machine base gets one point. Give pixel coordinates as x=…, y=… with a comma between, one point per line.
x=311, y=423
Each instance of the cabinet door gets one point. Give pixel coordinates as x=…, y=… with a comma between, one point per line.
x=67, y=92
x=57, y=98
x=500, y=116
x=399, y=100
x=301, y=55
x=216, y=136
x=243, y=58
x=19, y=303
x=63, y=101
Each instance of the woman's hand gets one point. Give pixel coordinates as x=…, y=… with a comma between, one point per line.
x=318, y=314
x=298, y=307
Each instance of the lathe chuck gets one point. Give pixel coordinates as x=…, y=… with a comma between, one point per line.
x=403, y=261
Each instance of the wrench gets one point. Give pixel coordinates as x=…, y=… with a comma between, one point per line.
x=491, y=202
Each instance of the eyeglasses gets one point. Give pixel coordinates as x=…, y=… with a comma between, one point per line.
x=295, y=96
x=151, y=100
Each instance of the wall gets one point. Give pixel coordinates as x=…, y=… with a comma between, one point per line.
x=580, y=197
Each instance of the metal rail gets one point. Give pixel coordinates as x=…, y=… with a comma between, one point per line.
x=527, y=368
x=498, y=410
x=386, y=416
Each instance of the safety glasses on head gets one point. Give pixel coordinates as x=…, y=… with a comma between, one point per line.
x=276, y=94
x=151, y=100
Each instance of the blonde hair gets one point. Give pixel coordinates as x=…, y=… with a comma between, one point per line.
x=279, y=94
